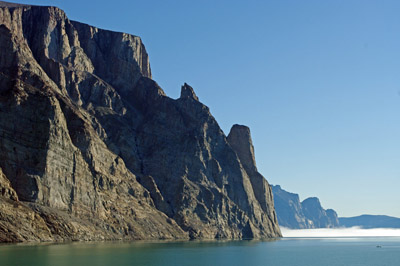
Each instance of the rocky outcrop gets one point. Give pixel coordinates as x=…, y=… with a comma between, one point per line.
x=289, y=210
x=91, y=147
x=333, y=219
x=302, y=215
x=319, y=217
x=240, y=140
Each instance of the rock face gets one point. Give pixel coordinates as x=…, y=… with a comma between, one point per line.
x=333, y=219
x=92, y=148
x=319, y=217
x=370, y=221
x=240, y=140
x=302, y=215
x=288, y=209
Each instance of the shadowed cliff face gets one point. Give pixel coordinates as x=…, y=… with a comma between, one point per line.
x=240, y=140
x=92, y=148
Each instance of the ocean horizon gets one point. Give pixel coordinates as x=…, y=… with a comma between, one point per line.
x=330, y=251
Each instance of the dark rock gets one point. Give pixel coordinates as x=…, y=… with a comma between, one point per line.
x=91, y=148
x=188, y=92
x=240, y=140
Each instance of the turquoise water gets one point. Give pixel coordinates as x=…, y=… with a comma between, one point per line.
x=286, y=251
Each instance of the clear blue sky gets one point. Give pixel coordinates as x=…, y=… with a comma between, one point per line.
x=318, y=83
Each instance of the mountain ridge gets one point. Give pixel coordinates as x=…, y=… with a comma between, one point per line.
x=91, y=147
x=306, y=214
x=368, y=221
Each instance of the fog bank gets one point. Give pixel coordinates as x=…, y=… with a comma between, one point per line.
x=340, y=232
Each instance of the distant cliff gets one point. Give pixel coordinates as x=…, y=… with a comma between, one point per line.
x=92, y=148
x=370, y=221
x=301, y=215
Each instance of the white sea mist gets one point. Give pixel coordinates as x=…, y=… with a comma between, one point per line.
x=340, y=232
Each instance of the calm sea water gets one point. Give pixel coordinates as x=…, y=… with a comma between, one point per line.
x=286, y=251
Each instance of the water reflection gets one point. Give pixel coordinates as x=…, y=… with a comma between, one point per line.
x=285, y=251
x=124, y=253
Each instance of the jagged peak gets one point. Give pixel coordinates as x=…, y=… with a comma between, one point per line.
x=188, y=92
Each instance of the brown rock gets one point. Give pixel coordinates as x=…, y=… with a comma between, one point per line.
x=240, y=140
x=94, y=149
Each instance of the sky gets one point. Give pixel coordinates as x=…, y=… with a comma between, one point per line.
x=317, y=82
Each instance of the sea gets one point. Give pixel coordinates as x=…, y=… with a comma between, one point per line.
x=293, y=251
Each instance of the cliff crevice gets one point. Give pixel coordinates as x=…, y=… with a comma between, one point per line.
x=91, y=148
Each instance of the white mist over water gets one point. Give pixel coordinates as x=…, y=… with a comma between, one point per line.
x=340, y=232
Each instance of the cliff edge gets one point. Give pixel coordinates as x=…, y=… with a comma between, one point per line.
x=302, y=215
x=91, y=148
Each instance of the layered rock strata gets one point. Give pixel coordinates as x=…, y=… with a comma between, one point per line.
x=91, y=148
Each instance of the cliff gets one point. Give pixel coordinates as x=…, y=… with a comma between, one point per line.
x=319, y=217
x=288, y=209
x=302, y=215
x=240, y=140
x=91, y=147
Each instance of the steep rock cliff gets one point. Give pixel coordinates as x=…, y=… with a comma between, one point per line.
x=288, y=209
x=240, y=140
x=92, y=148
x=302, y=215
x=319, y=217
